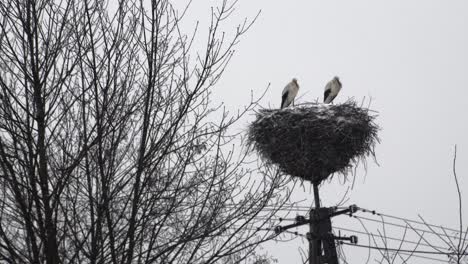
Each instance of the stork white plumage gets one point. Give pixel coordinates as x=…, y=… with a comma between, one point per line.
x=289, y=93
x=332, y=89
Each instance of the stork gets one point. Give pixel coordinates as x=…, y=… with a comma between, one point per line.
x=289, y=93
x=332, y=89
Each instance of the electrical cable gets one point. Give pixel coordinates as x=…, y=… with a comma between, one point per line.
x=407, y=220
x=406, y=250
x=401, y=253
x=390, y=238
x=403, y=226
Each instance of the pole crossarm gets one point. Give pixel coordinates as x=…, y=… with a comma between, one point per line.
x=350, y=211
x=321, y=235
x=316, y=217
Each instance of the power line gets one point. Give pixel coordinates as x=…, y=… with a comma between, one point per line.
x=412, y=254
x=407, y=251
x=275, y=218
x=272, y=218
x=408, y=220
x=422, y=257
x=303, y=208
x=287, y=207
x=374, y=212
x=295, y=233
x=390, y=238
x=403, y=226
x=280, y=219
x=274, y=208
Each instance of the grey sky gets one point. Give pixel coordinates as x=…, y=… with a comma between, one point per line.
x=411, y=57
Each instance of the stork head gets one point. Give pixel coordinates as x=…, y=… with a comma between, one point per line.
x=336, y=79
x=294, y=80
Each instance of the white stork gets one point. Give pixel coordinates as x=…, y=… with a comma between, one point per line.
x=332, y=89
x=289, y=93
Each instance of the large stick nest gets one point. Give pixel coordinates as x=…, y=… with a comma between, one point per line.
x=313, y=141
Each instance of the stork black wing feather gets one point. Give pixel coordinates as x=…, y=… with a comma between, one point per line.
x=283, y=99
x=326, y=94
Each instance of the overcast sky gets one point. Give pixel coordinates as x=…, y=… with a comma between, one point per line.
x=411, y=57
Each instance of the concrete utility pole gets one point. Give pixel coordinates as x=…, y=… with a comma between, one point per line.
x=321, y=235
x=314, y=243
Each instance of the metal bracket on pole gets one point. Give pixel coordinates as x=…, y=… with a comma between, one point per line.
x=350, y=210
x=351, y=239
x=320, y=235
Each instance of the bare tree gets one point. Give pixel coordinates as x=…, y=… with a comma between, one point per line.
x=419, y=239
x=455, y=240
x=110, y=148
